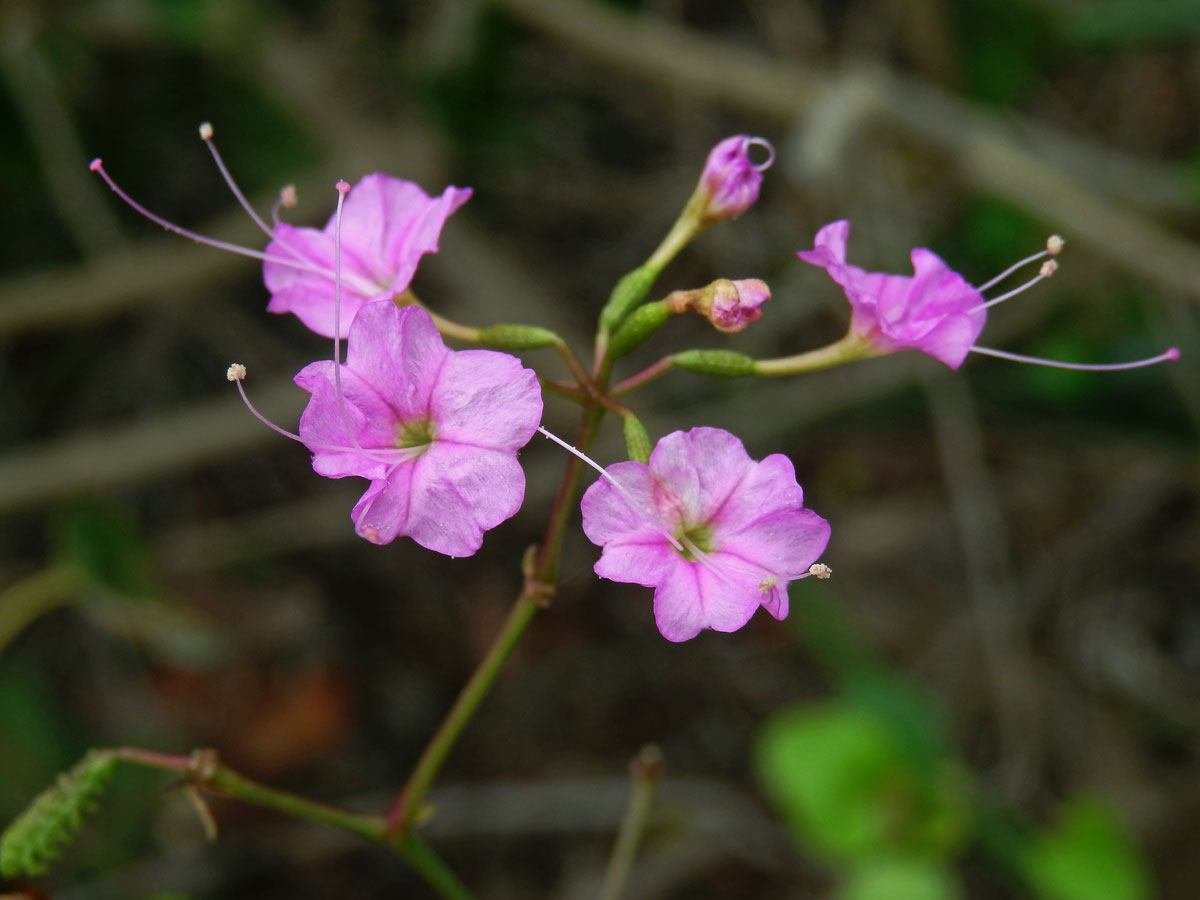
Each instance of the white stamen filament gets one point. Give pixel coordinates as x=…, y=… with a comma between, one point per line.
x=206, y=134
x=1017, y=265
x=342, y=189
x=1008, y=296
x=764, y=143
x=633, y=504
x=1171, y=354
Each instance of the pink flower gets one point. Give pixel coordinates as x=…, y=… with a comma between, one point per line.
x=437, y=431
x=730, y=180
x=388, y=224
x=934, y=310
x=716, y=534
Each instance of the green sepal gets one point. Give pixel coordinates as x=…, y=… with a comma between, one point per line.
x=637, y=440
x=40, y=834
x=641, y=324
x=726, y=363
x=506, y=336
x=631, y=290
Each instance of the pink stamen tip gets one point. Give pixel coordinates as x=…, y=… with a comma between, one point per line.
x=1049, y=267
x=206, y=131
x=96, y=164
x=343, y=187
x=1172, y=354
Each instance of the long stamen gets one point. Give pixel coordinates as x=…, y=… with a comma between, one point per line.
x=1170, y=355
x=237, y=373
x=1017, y=265
x=1054, y=245
x=633, y=504
x=206, y=135
x=1049, y=267
x=343, y=188
x=97, y=166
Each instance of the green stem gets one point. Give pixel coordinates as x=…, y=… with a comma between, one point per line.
x=647, y=770
x=204, y=770
x=645, y=376
x=32, y=597
x=849, y=348
x=536, y=593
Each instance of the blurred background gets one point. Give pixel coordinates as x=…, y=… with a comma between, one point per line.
x=996, y=696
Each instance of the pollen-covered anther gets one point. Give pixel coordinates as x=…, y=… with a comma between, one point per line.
x=236, y=372
x=206, y=131
x=1054, y=244
x=287, y=196
x=765, y=586
x=820, y=570
x=1049, y=267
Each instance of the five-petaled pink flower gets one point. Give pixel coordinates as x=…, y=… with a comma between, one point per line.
x=934, y=310
x=437, y=431
x=388, y=224
x=716, y=534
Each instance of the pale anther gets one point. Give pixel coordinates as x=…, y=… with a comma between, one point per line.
x=1049, y=267
x=820, y=570
x=1054, y=245
x=236, y=372
x=206, y=131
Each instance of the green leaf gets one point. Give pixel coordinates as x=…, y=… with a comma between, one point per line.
x=830, y=771
x=40, y=834
x=900, y=878
x=1088, y=856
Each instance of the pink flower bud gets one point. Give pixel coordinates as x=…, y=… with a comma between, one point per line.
x=730, y=180
x=735, y=304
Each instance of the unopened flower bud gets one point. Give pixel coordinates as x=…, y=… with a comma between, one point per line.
x=735, y=304
x=730, y=181
x=729, y=305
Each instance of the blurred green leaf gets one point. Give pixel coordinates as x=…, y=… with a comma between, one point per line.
x=832, y=770
x=1088, y=856
x=900, y=878
x=1116, y=23
x=107, y=548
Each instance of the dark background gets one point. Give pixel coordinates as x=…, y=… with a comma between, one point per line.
x=1019, y=544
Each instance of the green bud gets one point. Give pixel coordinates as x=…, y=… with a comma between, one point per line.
x=641, y=324
x=637, y=441
x=628, y=293
x=725, y=363
x=506, y=336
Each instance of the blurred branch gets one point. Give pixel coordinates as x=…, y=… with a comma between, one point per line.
x=991, y=586
x=88, y=461
x=988, y=152
x=81, y=208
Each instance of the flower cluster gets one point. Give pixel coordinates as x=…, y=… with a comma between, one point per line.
x=436, y=432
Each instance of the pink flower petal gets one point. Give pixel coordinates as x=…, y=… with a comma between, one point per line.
x=388, y=224
x=487, y=399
